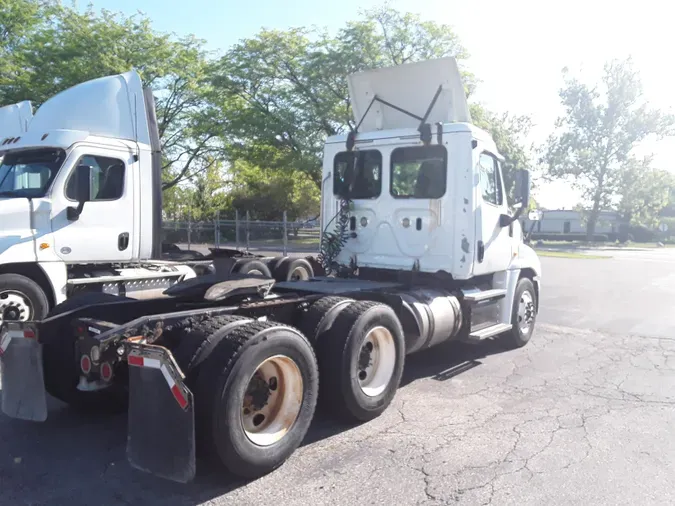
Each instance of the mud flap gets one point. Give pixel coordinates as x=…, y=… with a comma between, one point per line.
x=161, y=433
x=23, y=386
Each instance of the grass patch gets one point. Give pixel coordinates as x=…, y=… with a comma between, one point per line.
x=568, y=254
x=606, y=244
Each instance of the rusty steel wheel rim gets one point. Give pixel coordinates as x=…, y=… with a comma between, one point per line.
x=272, y=400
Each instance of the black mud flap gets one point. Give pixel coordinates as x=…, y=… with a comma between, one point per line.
x=161, y=434
x=23, y=386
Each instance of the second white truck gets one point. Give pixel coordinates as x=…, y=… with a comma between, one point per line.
x=81, y=203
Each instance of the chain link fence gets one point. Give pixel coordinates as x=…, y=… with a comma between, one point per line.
x=243, y=233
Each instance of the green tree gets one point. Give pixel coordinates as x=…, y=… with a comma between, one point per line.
x=509, y=133
x=595, y=138
x=644, y=192
x=267, y=193
x=282, y=92
x=46, y=47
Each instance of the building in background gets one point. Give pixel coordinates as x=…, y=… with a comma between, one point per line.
x=561, y=221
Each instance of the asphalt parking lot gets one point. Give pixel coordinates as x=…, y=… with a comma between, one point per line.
x=582, y=415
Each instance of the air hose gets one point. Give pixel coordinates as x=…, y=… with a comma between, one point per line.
x=333, y=242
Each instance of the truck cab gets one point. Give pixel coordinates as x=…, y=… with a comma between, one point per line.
x=80, y=198
x=419, y=189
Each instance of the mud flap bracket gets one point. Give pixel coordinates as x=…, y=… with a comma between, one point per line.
x=161, y=434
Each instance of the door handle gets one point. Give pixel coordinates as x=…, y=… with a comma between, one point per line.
x=481, y=251
x=123, y=241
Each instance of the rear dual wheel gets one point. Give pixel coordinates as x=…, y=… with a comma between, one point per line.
x=256, y=383
x=361, y=352
x=255, y=386
x=292, y=269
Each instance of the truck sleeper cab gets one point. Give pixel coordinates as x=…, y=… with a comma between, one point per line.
x=423, y=251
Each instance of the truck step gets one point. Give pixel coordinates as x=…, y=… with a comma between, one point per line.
x=482, y=295
x=490, y=331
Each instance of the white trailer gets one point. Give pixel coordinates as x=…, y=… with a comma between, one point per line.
x=422, y=248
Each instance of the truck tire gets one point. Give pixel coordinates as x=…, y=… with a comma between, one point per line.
x=273, y=264
x=293, y=269
x=321, y=315
x=523, y=314
x=193, y=343
x=21, y=299
x=255, y=397
x=361, y=361
x=255, y=267
x=60, y=366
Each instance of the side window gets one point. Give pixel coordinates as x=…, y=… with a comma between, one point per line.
x=363, y=169
x=106, y=181
x=490, y=180
x=418, y=172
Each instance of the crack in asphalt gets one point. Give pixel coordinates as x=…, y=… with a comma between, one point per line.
x=490, y=435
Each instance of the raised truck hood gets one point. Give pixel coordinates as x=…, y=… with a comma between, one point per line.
x=16, y=235
x=411, y=87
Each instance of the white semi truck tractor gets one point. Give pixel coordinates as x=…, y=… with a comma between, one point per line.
x=81, y=203
x=421, y=247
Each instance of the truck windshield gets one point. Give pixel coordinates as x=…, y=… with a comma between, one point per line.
x=28, y=174
x=362, y=170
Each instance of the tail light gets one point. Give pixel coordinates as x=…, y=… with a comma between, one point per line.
x=85, y=364
x=106, y=371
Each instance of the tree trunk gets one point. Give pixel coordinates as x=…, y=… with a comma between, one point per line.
x=592, y=220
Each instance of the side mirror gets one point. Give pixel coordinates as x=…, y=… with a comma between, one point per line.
x=535, y=215
x=522, y=195
x=522, y=192
x=82, y=180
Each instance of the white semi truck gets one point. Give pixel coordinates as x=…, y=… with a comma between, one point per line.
x=96, y=142
x=422, y=248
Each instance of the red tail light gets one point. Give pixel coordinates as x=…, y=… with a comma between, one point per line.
x=106, y=371
x=85, y=364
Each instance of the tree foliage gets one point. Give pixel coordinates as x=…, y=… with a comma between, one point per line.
x=282, y=92
x=509, y=133
x=246, y=129
x=267, y=193
x=645, y=192
x=594, y=141
x=46, y=47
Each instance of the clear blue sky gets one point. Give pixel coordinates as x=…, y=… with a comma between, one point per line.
x=517, y=48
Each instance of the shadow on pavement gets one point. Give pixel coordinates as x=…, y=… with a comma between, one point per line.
x=80, y=459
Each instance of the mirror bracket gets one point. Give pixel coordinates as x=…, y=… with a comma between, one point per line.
x=73, y=213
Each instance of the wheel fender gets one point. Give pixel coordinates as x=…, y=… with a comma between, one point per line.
x=507, y=280
x=57, y=276
x=527, y=258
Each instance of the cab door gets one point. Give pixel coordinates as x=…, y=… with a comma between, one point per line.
x=104, y=231
x=493, y=242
